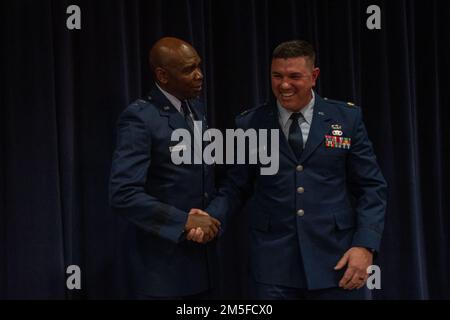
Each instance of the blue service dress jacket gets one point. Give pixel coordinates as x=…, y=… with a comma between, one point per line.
x=305, y=217
x=155, y=195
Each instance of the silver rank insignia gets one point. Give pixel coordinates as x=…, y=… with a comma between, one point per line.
x=166, y=108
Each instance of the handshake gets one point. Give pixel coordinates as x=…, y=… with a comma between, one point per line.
x=201, y=227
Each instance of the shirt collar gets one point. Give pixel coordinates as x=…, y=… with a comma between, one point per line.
x=173, y=100
x=307, y=111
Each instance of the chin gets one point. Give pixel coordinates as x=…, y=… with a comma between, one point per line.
x=290, y=105
x=192, y=95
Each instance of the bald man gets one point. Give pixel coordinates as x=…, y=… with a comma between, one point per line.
x=156, y=195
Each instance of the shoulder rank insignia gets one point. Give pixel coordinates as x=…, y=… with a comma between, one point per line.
x=351, y=104
x=243, y=113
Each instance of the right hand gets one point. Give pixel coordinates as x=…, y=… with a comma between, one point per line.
x=201, y=226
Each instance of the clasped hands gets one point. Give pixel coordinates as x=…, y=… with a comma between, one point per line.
x=201, y=227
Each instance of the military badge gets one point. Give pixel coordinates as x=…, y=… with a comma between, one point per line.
x=337, y=133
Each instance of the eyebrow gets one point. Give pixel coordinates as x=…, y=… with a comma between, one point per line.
x=193, y=64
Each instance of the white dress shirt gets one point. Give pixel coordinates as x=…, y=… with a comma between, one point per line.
x=305, y=125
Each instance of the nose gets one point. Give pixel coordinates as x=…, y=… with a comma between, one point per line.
x=198, y=74
x=285, y=85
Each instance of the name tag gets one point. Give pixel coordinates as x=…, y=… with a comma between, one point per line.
x=177, y=148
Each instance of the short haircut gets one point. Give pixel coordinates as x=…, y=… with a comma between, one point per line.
x=295, y=49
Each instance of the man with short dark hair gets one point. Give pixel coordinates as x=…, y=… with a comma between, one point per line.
x=156, y=195
x=314, y=226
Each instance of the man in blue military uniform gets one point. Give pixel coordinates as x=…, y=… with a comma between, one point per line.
x=156, y=195
x=314, y=226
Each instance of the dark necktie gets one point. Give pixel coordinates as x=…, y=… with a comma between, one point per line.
x=295, y=134
x=188, y=115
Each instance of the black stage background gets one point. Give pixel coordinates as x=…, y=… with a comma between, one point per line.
x=61, y=92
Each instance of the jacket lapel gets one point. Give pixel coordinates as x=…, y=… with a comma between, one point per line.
x=274, y=123
x=166, y=109
x=319, y=128
x=198, y=110
x=176, y=119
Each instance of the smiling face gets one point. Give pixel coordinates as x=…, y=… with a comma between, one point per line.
x=292, y=81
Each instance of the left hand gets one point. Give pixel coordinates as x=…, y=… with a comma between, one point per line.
x=197, y=234
x=358, y=260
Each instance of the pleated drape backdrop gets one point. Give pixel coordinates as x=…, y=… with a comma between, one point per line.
x=62, y=91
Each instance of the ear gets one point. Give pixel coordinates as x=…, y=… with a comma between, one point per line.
x=315, y=74
x=161, y=75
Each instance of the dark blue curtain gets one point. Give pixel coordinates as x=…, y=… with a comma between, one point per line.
x=62, y=91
